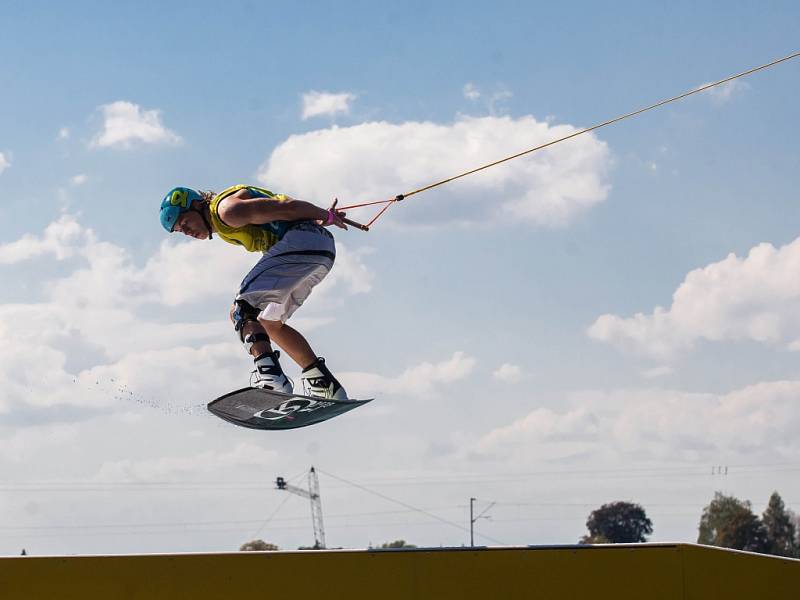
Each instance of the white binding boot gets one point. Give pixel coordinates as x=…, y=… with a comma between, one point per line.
x=268, y=374
x=319, y=382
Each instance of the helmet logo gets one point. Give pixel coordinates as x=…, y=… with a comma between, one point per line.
x=180, y=198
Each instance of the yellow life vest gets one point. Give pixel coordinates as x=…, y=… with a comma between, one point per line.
x=254, y=238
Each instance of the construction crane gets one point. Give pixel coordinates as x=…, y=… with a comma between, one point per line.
x=312, y=493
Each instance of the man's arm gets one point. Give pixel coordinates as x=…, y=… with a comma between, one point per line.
x=240, y=209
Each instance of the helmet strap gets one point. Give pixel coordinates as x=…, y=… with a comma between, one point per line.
x=204, y=217
x=208, y=225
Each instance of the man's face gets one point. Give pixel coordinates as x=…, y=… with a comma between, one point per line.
x=192, y=224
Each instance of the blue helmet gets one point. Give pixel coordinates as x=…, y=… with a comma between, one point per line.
x=177, y=201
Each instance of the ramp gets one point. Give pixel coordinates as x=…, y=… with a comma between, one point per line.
x=618, y=572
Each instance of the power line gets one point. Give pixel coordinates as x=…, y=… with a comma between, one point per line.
x=409, y=506
x=223, y=525
x=689, y=471
x=172, y=524
x=620, y=473
x=91, y=530
x=270, y=517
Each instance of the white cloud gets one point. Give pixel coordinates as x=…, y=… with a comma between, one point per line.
x=420, y=380
x=182, y=272
x=543, y=424
x=18, y=445
x=125, y=123
x=756, y=422
x=508, y=373
x=111, y=280
x=316, y=104
x=471, y=92
x=100, y=326
x=377, y=160
x=63, y=133
x=658, y=372
x=722, y=94
x=61, y=239
x=350, y=276
x=754, y=298
x=498, y=96
x=210, y=463
x=79, y=179
x=5, y=162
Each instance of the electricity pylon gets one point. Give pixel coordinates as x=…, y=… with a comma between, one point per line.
x=312, y=493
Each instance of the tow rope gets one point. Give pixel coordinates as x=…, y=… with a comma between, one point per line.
x=400, y=197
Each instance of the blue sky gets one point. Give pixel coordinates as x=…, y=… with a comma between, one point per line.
x=605, y=320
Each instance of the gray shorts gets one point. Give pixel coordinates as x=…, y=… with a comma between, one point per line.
x=284, y=277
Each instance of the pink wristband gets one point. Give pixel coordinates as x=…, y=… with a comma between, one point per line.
x=331, y=218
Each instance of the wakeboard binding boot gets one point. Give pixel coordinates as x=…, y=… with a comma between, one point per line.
x=269, y=375
x=319, y=382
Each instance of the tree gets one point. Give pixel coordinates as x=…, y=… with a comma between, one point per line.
x=397, y=544
x=258, y=546
x=796, y=519
x=617, y=523
x=730, y=523
x=780, y=527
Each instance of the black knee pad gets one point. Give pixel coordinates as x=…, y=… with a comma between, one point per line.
x=243, y=313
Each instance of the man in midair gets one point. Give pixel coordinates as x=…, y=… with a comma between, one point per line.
x=298, y=252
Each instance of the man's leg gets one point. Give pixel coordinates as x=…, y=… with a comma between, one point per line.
x=291, y=341
x=259, y=340
x=317, y=379
x=268, y=372
x=279, y=286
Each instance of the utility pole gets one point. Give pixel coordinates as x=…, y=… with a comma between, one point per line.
x=471, y=523
x=472, y=519
x=312, y=493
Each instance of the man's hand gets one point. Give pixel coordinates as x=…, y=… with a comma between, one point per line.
x=335, y=217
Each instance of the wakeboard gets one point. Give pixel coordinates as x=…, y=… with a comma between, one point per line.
x=258, y=408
